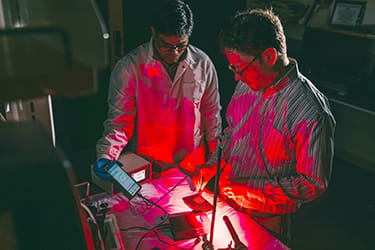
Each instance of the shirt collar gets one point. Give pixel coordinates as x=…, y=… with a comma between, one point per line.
x=289, y=76
x=187, y=57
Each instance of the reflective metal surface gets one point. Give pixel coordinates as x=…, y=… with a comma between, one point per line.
x=50, y=47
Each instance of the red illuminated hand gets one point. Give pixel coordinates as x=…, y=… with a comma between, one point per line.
x=204, y=173
x=239, y=191
x=189, y=165
x=234, y=190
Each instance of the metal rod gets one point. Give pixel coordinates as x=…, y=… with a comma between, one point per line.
x=215, y=193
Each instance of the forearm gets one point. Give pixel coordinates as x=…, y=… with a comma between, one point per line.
x=111, y=144
x=119, y=125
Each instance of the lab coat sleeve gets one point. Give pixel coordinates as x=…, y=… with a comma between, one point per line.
x=210, y=108
x=119, y=125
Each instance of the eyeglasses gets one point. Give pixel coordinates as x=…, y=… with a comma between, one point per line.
x=165, y=47
x=232, y=68
x=170, y=48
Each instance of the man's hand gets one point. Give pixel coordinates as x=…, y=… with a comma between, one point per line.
x=239, y=191
x=234, y=190
x=202, y=175
x=99, y=169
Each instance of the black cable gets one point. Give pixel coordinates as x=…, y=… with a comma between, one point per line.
x=197, y=240
x=98, y=238
x=141, y=239
x=156, y=227
x=170, y=190
x=164, y=216
x=151, y=230
x=154, y=204
x=160, y=225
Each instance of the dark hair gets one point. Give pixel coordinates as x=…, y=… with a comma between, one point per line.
x=172, y=17
x=254, y=30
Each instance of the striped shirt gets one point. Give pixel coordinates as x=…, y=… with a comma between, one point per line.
x=279, y=143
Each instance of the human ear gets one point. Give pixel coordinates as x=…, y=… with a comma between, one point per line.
x=270, y=56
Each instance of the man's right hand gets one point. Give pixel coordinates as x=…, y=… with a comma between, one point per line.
x=202, y=175
x=99, y=169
